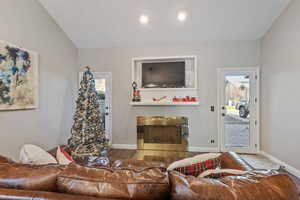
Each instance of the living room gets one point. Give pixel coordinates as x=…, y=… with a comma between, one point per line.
x=176, y=80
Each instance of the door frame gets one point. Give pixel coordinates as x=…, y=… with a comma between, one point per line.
x=256, y=139
x=108, y=77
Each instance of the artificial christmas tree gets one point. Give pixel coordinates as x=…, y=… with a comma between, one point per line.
x=88, y=137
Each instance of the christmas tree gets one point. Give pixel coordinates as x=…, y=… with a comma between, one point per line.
x=88, y=137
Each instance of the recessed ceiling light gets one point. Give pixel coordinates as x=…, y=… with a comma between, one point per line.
x=181, y=16
x=144, y=19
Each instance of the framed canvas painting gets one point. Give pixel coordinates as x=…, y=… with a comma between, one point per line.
x=18, y=78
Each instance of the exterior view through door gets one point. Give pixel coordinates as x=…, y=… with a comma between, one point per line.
x=103, y=85
x=238, y=125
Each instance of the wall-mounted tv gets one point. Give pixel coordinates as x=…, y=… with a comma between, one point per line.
x=163, y=75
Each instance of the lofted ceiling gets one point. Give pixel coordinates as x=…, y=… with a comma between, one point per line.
x=115, y=23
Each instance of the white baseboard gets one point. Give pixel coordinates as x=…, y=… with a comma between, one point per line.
x=124, y=146
x=203, y=149
x=286, y=166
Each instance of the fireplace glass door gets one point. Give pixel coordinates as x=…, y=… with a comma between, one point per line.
x=162, y=133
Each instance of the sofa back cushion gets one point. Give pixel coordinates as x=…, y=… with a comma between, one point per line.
x=29, y=177
x=138, y=165
x=251, y=186
x=147, y=184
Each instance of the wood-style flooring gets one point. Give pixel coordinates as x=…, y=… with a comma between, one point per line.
x=166, y=157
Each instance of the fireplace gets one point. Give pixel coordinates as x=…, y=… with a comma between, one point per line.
x=162, y=133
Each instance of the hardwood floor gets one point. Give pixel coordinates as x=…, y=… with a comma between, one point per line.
x=167, y=157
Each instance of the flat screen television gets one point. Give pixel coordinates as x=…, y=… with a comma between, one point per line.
x=163, y=75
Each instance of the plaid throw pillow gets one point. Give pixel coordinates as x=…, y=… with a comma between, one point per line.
x=198, y=168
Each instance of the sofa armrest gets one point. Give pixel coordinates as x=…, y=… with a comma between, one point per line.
x=13, y=194
x=231, y=160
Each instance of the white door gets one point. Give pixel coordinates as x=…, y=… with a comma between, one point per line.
x=238, y=110
x=103, y=85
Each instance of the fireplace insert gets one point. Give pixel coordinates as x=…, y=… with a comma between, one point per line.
x=162, y=133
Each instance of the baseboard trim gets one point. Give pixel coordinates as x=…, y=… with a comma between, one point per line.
x=286, y=166
x=203, y=149
x=124, y=146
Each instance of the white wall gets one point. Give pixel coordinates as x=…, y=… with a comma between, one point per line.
x=280, y=87
x=26, y=23
x=203, y=123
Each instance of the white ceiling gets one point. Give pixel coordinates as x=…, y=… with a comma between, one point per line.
x=115, y=23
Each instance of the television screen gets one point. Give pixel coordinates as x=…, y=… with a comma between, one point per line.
x=163, y=75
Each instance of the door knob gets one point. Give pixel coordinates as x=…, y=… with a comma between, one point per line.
x=223, y=114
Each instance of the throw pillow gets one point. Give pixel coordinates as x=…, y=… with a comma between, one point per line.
x=62, y=156
x=197, y=164
x=198, y=168
x=218, y=173
x=32, y=154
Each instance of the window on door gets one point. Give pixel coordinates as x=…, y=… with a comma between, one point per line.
x=237, y=112
x=100, y=85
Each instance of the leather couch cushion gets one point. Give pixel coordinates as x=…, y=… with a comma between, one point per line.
x=7, y=194
x=138, y=165
x=253, y=186
x=29, y=177
x=148, y=184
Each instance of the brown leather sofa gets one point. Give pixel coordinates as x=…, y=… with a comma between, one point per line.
x=138, y=180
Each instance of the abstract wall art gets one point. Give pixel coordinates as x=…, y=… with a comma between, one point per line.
x=18, y=78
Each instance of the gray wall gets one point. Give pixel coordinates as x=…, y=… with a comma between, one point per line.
x=26, y=23
x=280, y=87
x=203, y=123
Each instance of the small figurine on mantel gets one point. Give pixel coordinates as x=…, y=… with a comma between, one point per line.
x=136, y=96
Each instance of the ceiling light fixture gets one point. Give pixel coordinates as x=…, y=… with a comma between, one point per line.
x=181, y=16
x=144, y=19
